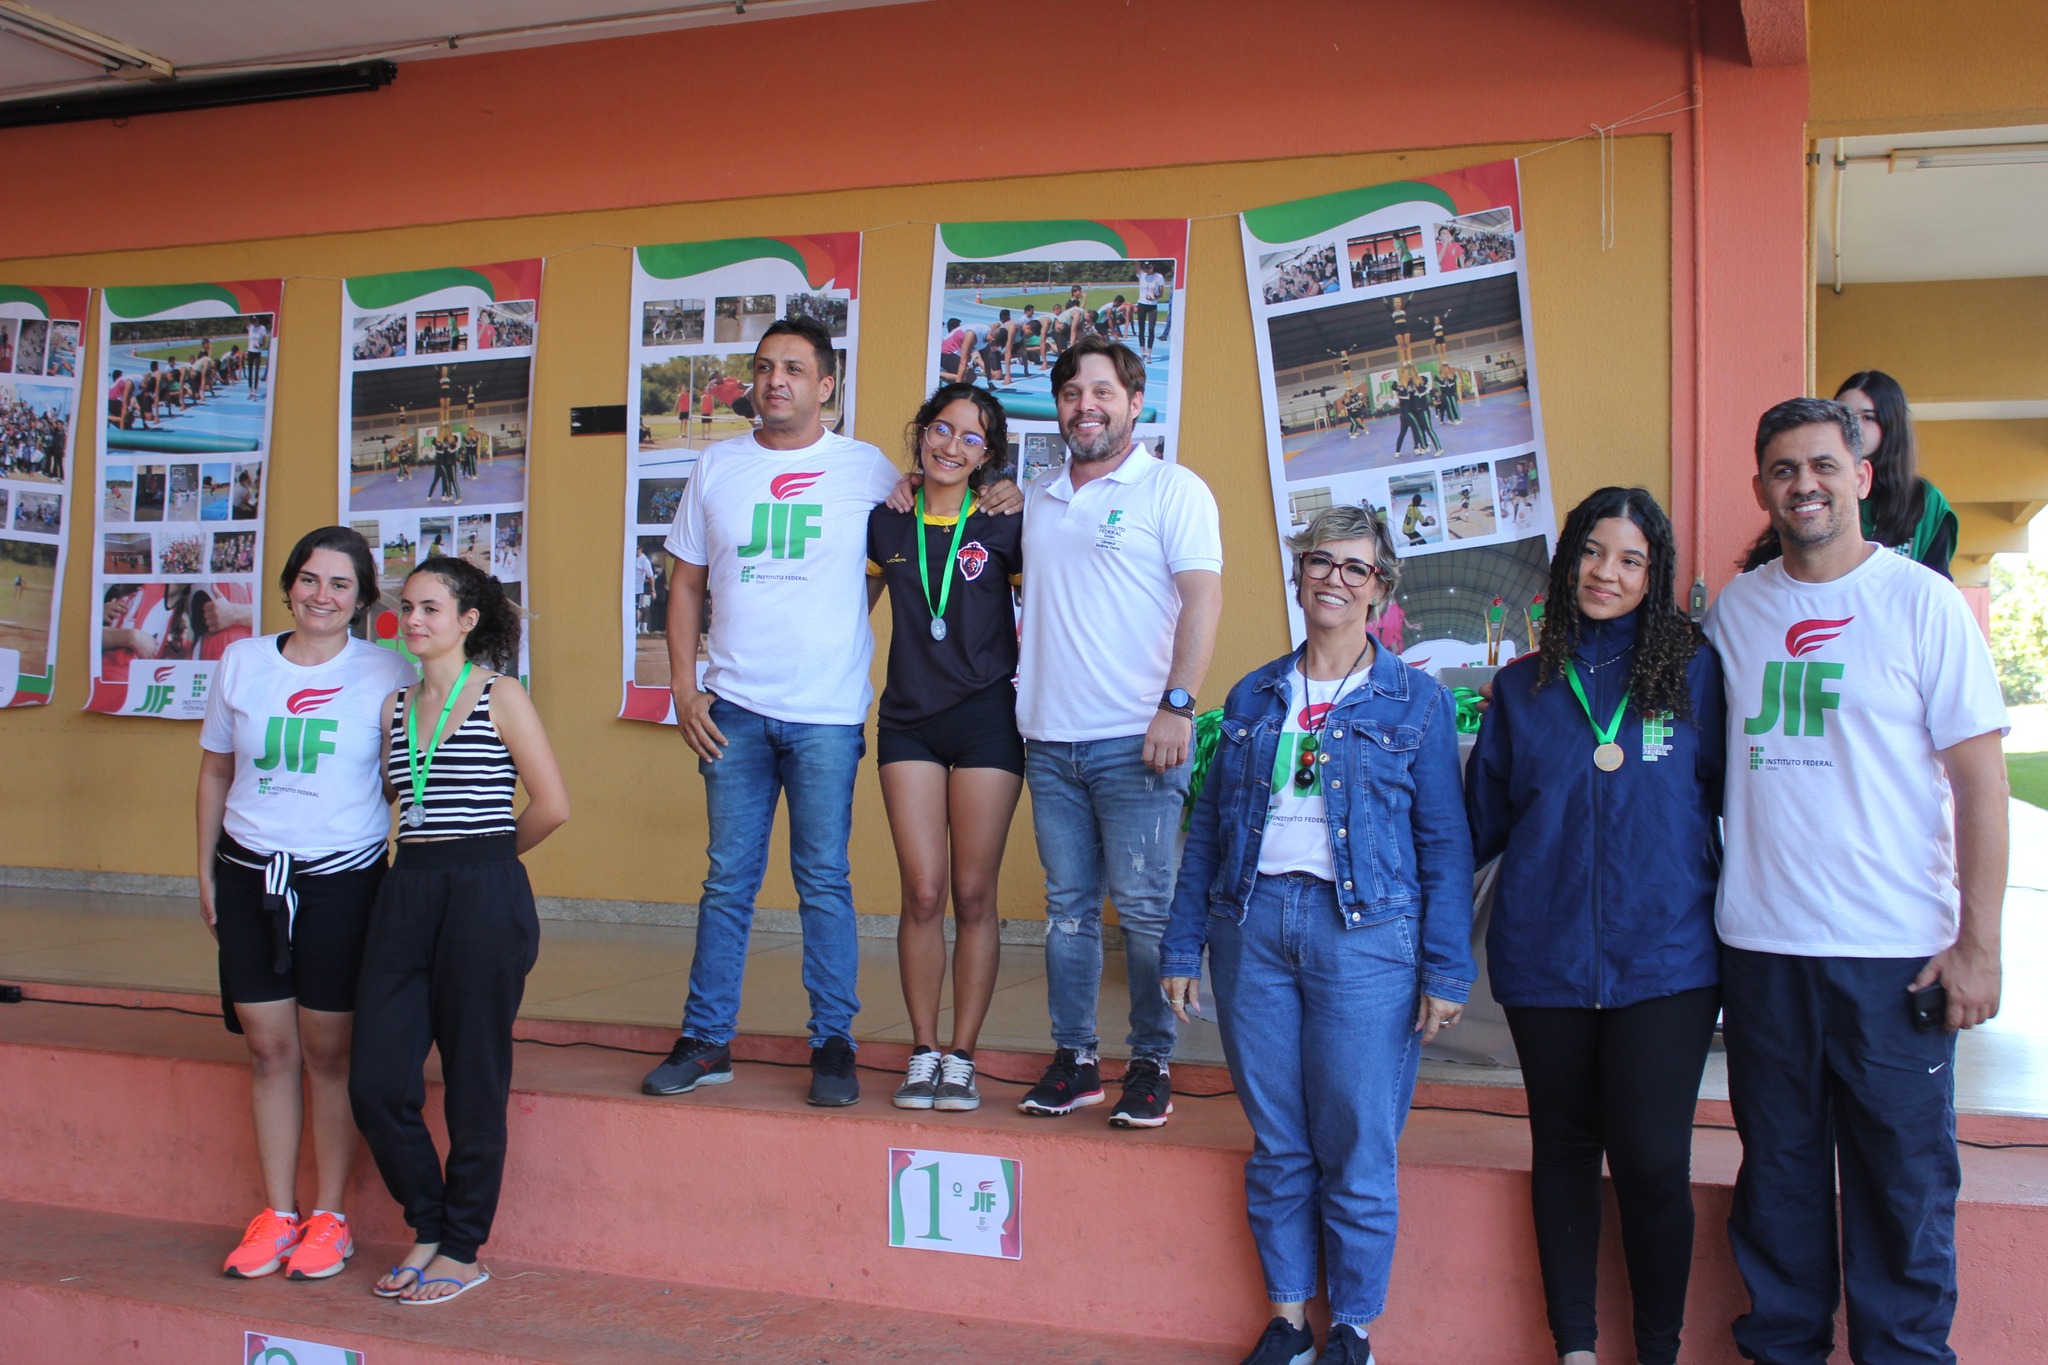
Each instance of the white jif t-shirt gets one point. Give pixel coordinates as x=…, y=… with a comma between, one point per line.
x=308, y=745
x=1150, y=285
x=1839, y=821
x=1297, y=834
x=783, y=536
x=1100, y=603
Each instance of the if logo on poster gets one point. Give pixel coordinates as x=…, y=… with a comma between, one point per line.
x=1797, y=690
x=782, y=528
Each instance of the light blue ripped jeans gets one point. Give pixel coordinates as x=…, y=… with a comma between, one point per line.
x=1105, y=823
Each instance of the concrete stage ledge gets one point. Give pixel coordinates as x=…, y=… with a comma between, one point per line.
x=756, y=1208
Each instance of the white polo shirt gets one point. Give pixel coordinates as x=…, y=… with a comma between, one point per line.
x=1100, y=603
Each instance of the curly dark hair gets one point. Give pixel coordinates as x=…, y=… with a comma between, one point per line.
x=995, y=429
x=495, y=638
x=1665, y=639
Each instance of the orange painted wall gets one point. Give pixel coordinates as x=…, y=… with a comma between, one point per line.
x=1156, y=83
x=490, y=149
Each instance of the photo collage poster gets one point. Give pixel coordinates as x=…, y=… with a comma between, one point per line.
x=188, y=377
x=1008, y=297
x=42, y=342
x=1399, y=373
x=436, y=408
x=698, y=310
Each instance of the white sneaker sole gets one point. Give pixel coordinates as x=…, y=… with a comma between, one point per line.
x=1054, y=1111
x=1121, y=1120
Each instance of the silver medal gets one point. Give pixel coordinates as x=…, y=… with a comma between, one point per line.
x=415, y=816
x=938, y=628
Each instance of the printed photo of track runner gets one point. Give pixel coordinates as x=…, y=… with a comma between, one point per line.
x=185, y=386
x=1004, y=323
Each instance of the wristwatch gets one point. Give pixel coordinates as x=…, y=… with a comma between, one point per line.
x=1180, y=701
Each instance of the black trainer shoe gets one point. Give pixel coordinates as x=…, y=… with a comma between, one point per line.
x=1347, y=1346
x=1068, y=1084
x=957, y=1092
x=833, y=1084
x=920, y=1081
x=1147, y=1098
x=1282, y=1343
x=691, y=1062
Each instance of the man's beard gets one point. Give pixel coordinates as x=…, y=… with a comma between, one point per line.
x=1816, y=533
x=1112, y=441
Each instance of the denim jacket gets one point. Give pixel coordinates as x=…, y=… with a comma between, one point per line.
x=1398, y=838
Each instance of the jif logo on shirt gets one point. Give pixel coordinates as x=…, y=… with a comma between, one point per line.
x=782, y=528
x=1796, y=690
x=296, y=741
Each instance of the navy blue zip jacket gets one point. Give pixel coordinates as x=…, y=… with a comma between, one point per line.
x=1606, y=889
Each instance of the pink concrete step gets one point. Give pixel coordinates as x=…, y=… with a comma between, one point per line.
x=80, y=1286
x=744, y=1187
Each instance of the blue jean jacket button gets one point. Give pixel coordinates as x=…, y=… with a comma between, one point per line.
x=1354, y=913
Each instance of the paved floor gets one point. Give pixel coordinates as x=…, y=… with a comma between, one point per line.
x=634, y=974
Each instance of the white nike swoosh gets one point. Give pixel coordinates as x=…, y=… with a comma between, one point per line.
x=1932, y=1069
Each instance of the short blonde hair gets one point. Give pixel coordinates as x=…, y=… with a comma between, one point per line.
x=1344, y=521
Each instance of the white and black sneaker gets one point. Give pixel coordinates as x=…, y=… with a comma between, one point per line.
x=1147, y=1097
x=1068, y=1084
x=956, y=1092
x=920, y=1080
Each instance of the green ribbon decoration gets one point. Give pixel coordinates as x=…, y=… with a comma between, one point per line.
x=1208, y=729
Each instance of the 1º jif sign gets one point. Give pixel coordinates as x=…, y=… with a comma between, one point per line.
x=261, y=1348
x=955, y=1201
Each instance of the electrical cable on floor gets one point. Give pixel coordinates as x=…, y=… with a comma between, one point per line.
x=983, y=1075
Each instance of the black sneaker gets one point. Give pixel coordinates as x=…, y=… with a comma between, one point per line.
x=957, y=1092
x=691, y=1062
x=1068, y=1084
x=1147, y=1098
x=1282, y=1343
x=833, y=1084
x=920, y=1080
x=1347, y=1346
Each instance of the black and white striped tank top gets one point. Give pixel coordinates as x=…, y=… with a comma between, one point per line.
x=469, y=785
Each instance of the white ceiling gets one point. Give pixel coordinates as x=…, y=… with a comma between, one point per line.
x=222, y=37
x=1938, y=223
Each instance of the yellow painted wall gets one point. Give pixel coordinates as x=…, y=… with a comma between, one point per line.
x=1904, y=66
x=1946, y=341
x=1956, y=341
x=96, y=792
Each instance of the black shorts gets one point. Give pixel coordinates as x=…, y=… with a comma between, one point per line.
x=980, y=732
x=327, y=937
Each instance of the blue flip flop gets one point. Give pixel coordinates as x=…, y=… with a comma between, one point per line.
x=397, y=1290
x=481, y=1276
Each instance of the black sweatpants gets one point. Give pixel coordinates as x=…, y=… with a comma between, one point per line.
x=452, y=937
x=1621, y=1083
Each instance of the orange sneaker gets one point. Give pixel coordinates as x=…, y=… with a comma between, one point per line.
x=323, y=1250
x=270, y=1238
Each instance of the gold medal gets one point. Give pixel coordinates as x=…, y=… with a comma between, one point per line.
x=1607, y=757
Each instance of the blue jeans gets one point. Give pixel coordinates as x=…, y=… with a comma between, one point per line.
x=1105, y=823
x=815, y=765
x=1318, y=1026
x=1831, y=1084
